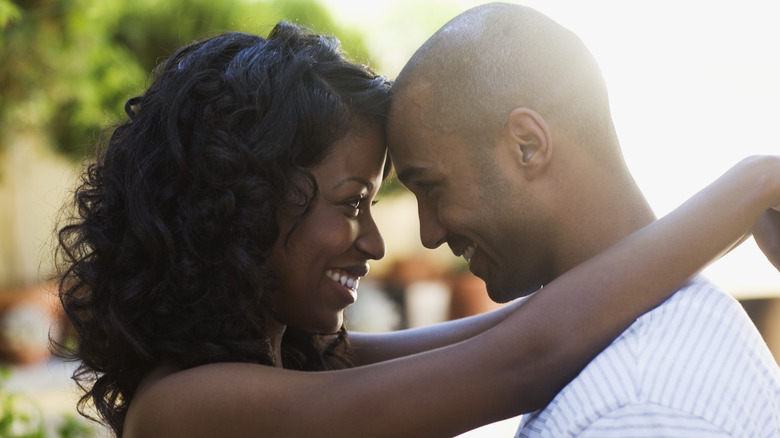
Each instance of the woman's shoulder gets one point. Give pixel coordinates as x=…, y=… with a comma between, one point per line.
x=151, y=400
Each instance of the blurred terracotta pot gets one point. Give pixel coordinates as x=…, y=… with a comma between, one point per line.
x=27, y=317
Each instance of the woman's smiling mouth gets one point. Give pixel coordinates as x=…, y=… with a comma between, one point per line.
x=346, y=279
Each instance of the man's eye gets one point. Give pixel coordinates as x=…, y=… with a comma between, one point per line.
x=425, y=187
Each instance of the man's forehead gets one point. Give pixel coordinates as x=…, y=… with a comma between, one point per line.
x=413, y=95
x=418, y=152
x=404, y=123
x=408, y=139
x=411, y=112
x=410, y=151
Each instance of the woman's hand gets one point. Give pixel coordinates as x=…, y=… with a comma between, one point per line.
x=766, y=232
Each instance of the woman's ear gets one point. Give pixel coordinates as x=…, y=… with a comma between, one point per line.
x=529, y=136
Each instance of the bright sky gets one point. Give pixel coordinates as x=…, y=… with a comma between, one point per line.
x=694, y=86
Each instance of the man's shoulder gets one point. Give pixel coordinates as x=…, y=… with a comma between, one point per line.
x=698, y=353
x=698, y=292
x=696, y=307
x=693, y=342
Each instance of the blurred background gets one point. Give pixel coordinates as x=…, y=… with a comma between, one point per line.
x=694, y=87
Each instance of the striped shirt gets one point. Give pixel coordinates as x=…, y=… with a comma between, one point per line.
x=693, y=367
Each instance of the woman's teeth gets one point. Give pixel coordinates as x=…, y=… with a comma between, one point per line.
x=469, y=252
x=344, y=279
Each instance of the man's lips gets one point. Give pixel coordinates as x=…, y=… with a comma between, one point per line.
x=468, y=253
x=465, y=251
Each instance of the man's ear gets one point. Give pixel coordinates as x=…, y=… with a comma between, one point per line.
x=529, y=136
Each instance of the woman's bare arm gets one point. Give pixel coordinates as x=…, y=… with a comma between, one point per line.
x=766, y=232
x=516, y=366
x=376, y=347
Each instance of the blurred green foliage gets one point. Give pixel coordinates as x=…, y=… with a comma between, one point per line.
x=20, y=417
x=68, y=66
x=8, y=12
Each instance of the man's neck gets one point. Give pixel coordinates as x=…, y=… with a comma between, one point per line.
x=604, y=218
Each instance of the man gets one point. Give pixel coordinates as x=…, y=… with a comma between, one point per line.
x=500, y=126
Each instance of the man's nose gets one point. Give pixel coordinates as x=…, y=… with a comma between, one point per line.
x=432, y=233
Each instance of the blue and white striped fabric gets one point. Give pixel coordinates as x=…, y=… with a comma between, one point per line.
x=694, y=367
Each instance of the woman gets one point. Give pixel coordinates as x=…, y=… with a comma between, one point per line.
x=225, y=228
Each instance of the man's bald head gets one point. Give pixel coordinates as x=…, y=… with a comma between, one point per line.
x=493, y=58
x=500, y=126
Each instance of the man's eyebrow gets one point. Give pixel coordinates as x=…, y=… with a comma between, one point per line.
x=368, y=184
x=408, y=174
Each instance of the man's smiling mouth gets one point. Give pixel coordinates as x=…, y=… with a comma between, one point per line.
x=469, y=252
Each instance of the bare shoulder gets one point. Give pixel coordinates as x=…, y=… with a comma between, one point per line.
x=224, y=399
x=409, y=397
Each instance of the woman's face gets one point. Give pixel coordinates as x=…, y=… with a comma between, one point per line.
x=320, y=265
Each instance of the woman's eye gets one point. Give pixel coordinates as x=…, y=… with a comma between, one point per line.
x=354, y=206
x=354, y=203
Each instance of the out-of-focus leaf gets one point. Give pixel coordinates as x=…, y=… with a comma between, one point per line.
x=68, y=66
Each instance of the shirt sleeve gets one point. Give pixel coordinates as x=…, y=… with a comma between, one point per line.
x=650, y=420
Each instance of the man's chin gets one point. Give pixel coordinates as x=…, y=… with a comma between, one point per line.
x=500, y=295
x=503, y=294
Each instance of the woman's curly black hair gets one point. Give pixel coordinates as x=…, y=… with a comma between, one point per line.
x=164, y=260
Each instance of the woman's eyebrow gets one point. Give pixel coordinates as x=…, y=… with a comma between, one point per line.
x=369, y=185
